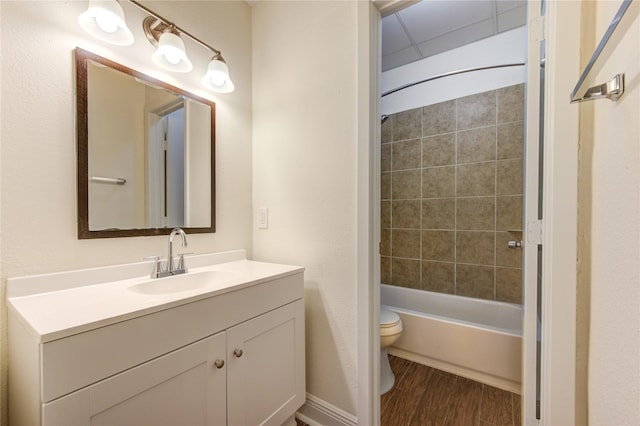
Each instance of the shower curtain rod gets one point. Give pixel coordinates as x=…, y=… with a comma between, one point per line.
x=450, y=73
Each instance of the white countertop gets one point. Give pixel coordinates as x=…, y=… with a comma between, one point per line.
x=56, y=314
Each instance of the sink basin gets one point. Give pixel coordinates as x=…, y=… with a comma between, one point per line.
x=183, y=282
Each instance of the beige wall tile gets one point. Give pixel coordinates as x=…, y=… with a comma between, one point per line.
x=406, y=155
x=509, y=285
x=385, y=270
x=510, y=103
x=405, y=272
x=385, y=186
x=509, y=213
x=476, y=213
x=438, y=276
x=475, y=281
x=438, y=213
x=406, y=185
x=477, y=110
x=438, y=182
x=476, y=145
x=475, y=247
x=385, y=214
x=510, y=138
x=405, y=243
x=407, y=124
x=385, y=242
x=406, y=214
x=509, y=179
x=385, y=157
x=439, y=118
x=439, y=150
x=476, y=179
x=504, y=255
x=438, y=245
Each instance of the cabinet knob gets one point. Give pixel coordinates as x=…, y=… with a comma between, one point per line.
x=219, y=363
x=237, y=353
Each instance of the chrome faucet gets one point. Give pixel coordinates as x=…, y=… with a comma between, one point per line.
x=159, y=270
x=171, y=267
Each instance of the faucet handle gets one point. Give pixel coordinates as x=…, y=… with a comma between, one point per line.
x=157, y=265
x=181, y=263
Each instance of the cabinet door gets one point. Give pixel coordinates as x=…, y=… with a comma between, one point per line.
x=184, y=387
x=265, y=375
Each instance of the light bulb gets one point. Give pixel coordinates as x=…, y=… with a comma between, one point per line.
x=106, y=23
x=217, y=79
x=172, y=56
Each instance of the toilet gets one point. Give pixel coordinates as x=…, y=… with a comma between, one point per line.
x=390, y=330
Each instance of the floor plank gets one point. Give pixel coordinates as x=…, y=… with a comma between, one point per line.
x=398, y=409
x=497, y=407
x=436, y=401
x=466, y=408
x=425, y=396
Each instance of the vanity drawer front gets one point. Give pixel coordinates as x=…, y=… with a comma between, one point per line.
x=77, y=361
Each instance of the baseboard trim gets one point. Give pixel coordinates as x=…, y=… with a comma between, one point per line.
x=318, y=412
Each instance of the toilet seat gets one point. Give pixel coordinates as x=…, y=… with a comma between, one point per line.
x=390, y=323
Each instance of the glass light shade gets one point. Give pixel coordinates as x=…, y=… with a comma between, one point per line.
x=217, y=77
x=170, y=53
x=105, y=21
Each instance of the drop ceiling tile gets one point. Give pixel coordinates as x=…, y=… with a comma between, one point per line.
x=394, y=37
x=511, y=19
x=402, y=57
x=432, y=18
x=458, y=38
x=504, y=5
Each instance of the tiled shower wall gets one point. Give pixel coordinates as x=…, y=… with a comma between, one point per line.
x=452, y=196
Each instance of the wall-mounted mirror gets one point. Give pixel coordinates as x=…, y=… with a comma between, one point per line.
x=146, y=153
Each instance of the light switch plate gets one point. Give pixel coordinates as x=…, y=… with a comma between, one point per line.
x=263, y=218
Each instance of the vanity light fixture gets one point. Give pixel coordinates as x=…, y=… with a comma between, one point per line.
x=104, y=18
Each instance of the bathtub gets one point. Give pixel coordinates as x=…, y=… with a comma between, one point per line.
x=473, y=338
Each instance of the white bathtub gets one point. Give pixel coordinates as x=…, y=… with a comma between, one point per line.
x=473, y=338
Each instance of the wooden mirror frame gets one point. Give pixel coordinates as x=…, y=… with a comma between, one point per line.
x=82, y=156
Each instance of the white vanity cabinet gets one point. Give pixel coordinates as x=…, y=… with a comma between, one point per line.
x=234, y=356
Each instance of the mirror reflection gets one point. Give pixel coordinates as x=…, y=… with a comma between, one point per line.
x=145, y=154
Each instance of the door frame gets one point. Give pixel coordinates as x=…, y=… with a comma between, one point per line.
x=559, y=233
x=560, y=212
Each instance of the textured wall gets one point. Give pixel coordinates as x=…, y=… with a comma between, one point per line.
x=452, y=196
x=610, y=209
x=305, y=80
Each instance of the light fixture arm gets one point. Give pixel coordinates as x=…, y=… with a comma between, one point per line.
x=173, y=26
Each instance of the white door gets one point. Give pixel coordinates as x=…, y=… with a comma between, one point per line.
x=184, y=387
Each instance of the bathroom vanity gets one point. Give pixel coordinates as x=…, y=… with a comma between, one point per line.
x=220, y=345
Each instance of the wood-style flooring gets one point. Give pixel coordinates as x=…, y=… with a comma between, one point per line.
x=425, y=396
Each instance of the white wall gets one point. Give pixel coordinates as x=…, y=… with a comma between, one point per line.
x=37, y=130
x=305, y=79
x=610, y=209
x=505, y=48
